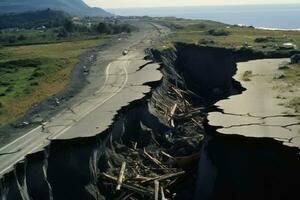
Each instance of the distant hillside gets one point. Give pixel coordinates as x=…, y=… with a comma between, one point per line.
x=74, y=7
x=32, y=19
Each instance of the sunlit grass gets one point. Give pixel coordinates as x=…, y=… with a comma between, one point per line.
x=25, y=85
x=196, y=31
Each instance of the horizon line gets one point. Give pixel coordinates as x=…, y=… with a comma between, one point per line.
x=208, y=5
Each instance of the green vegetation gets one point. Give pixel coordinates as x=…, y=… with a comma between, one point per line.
x=247, y=75
x=74, y=7
x=48, y=26
x=288, y=82
x=109, y=28
x=218, y=32
x=292, y=74
x=30, y=74
x=36, y=19
x=295, y=104
x=203, y=32
x=39, y=50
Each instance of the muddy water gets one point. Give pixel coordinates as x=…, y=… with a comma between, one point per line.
x=258, y=111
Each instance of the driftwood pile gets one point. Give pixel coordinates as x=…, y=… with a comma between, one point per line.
x=142, y=175
x=167, y=165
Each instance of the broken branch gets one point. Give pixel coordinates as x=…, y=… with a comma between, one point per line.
x=154, y=160
x=156, y=189
x=121, y=176
x=167, y=176
x=137, y=189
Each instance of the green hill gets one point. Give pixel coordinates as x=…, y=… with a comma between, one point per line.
x=74, y=7
x=32, y=19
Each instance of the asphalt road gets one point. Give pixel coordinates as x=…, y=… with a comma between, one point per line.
x=260, y=111
x=120, y=83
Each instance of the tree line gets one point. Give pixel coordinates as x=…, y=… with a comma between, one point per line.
x=34, y=19
x=102, y=27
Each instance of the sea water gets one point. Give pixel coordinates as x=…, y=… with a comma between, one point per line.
x=268, y=16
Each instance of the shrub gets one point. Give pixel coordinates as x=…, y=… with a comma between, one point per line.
x=220, y=32
x=20, y=63
x=108, y=28
x=9, y=89
x=69, y=26
x=178, y=27
x=206, y=42
x=103, y=28
x=247, y=76
x=201, y=26
x=12, y=39
x=264, y=39
x=21, y=38
x=63, y=33
x=34, y=83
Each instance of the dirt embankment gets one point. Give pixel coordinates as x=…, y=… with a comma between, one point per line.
x=165, y=146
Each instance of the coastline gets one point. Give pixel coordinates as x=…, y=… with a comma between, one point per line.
x=264, y=16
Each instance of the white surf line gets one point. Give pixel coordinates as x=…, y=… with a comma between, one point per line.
x=35, y=129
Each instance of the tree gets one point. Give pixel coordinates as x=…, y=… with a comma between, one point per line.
x=69, y=26
x=103, y=28
x=21, y=38
x=12, y=39
x=62, y=33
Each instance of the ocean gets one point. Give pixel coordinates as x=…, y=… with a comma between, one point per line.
x=285, y=16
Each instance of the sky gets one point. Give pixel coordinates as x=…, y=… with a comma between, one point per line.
x=166, y=3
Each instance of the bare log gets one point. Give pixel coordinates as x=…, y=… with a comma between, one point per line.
x=137, y=189
x=121, y=176
x=156, y=189
x=166, y=176
x=162, y=194
x=154, y=160
x=167, y=155
x=197, y=123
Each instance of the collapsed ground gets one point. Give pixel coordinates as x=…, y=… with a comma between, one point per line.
x=161, y=147
x=165, y=145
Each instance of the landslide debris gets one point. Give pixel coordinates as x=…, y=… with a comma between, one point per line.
x=157, y=164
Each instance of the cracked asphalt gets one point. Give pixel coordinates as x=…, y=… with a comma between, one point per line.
x=119, y=83
x=257, y=112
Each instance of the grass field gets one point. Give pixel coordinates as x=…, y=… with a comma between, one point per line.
x=218, y=34
x=16, y=37
x=292, y=83
x=29, y=74
x=210, y=33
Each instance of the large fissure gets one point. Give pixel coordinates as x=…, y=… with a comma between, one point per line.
x=165, y=145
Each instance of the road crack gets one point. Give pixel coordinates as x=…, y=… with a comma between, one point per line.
x=263, y=124
x=9, y=153
x=260, y=117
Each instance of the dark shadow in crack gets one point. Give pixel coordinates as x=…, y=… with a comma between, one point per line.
x=247, y=168
x=8, y=153
x=143, y=66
